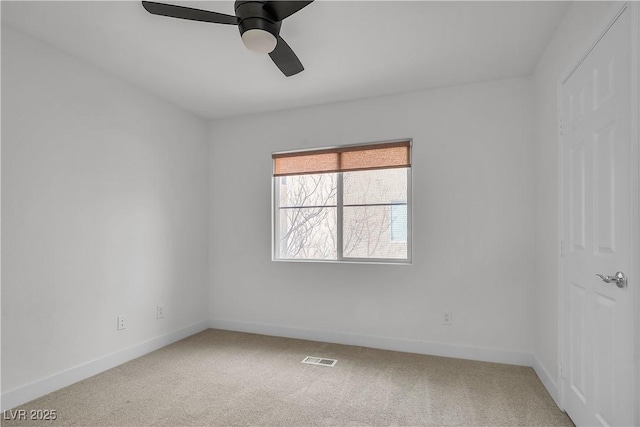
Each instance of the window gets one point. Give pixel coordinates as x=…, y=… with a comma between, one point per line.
x=343, y=204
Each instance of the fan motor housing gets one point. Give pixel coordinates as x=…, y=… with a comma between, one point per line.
x=253, y=15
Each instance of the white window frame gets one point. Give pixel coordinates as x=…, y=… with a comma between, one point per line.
x=275, y=208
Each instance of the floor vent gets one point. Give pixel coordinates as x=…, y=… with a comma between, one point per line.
x=319, y=361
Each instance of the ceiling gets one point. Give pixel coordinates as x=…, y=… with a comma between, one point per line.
x=350, y=49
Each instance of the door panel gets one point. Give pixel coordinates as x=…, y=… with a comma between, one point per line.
x=577, y=346
x=605, y=196
x=577, y=197
x=604, y=393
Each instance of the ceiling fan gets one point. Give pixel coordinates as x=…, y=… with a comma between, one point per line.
x=259, y=23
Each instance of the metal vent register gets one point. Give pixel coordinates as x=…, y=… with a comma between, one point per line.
x=319, y=361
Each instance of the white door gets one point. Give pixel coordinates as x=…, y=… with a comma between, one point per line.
x=598, y=324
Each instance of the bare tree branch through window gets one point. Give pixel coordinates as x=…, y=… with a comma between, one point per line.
x=372, y=206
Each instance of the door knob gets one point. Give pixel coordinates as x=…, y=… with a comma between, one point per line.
x=619, y=279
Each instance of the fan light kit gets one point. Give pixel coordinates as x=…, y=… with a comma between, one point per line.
x=259, y=41
x=259, y=23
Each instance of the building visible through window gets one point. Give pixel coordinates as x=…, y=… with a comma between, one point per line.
x=343, y=204
x=399, y=222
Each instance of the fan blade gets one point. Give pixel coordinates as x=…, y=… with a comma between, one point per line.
x=281, y=8
x=188, y=13
x=285, y=59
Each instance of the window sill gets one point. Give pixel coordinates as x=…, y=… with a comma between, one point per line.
x=349, y=261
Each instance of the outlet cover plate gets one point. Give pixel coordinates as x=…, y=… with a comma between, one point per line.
x=447, y=318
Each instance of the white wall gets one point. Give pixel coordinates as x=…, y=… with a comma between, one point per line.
x=473, y=230
x=577, y=30
x=104, y=212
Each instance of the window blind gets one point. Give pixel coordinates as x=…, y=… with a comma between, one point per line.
x=343, y=159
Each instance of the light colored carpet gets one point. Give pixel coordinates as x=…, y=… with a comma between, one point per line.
x=218, y=378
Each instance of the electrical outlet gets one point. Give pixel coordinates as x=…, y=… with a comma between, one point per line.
x=122, y=323
x=159, y=312
x=446, y=318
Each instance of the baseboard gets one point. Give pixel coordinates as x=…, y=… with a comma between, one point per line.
x=549, y=383
x=512, y=357
x=12, y=398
